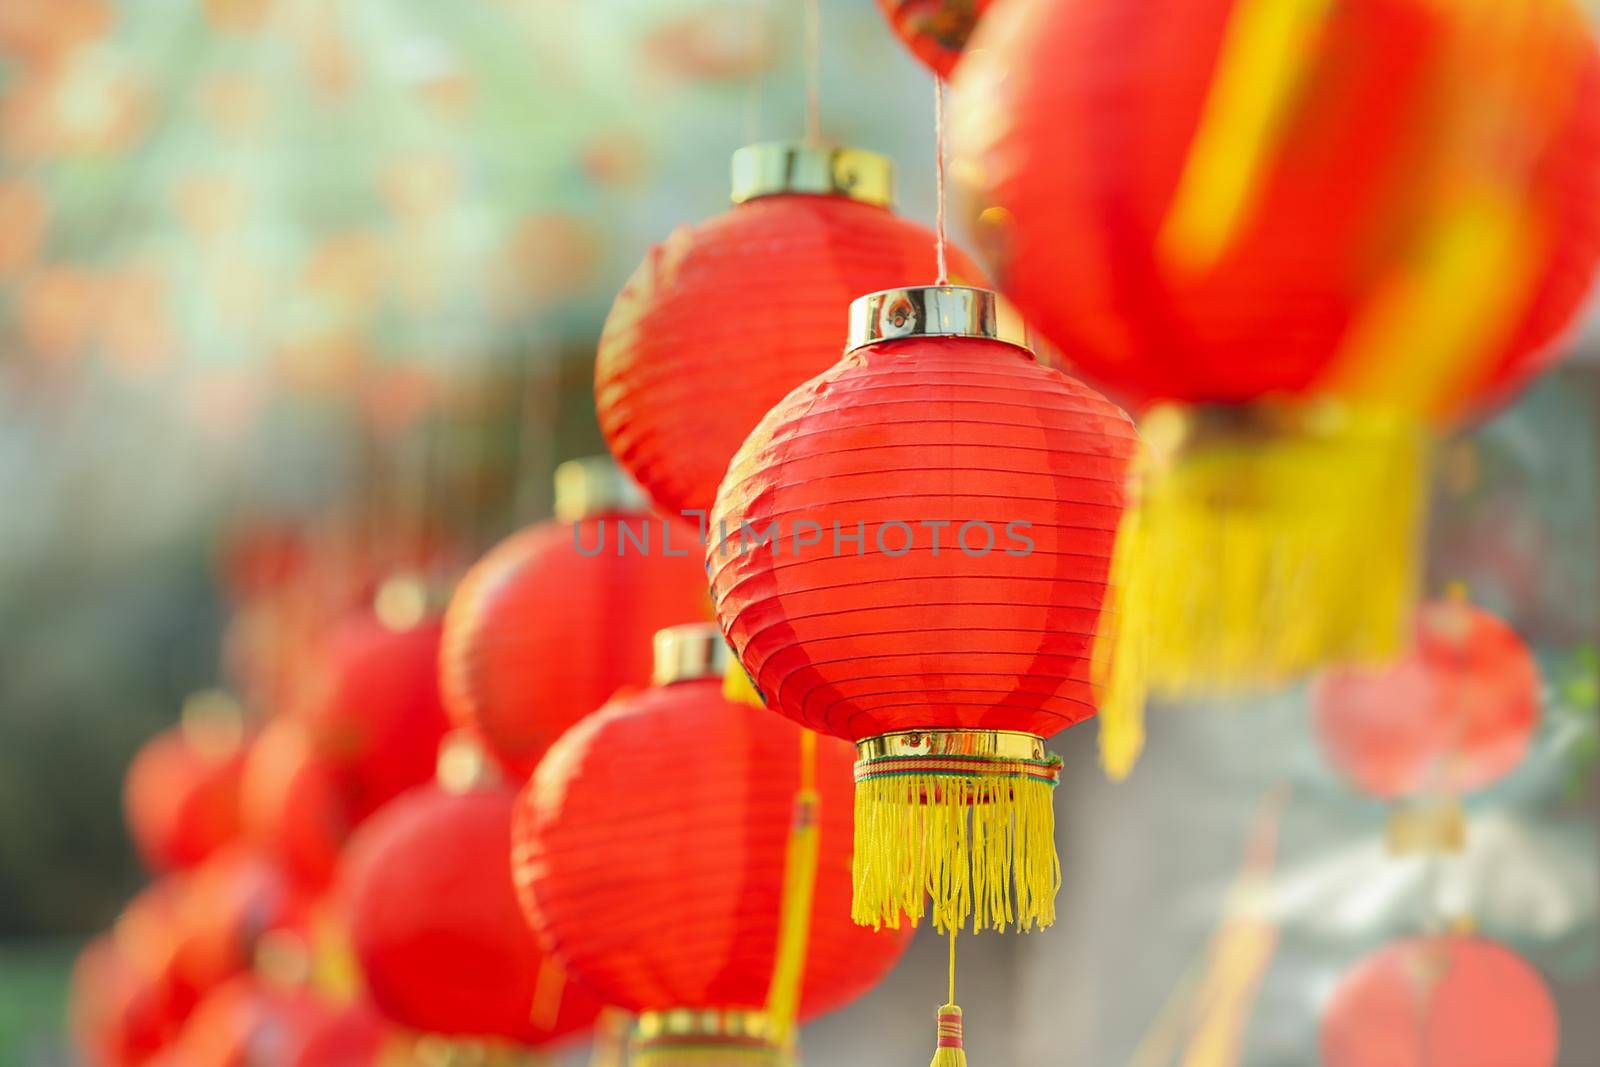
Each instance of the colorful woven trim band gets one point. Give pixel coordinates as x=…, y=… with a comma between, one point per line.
x=949, y=1027
x=1046, y=771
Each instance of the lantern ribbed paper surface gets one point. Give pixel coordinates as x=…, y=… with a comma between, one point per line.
x=434, y=923
x=1441, y=1002
x=724, y=318
x=946, y=510
x=374, y=710
x=936, y=31
x=1322, y=228
x=559, y=617
x=1455, y=715
x=650, y=856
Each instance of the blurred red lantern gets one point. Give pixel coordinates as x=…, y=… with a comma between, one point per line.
x=118, y=1016
x=223, y=910
x=743, y=308
x=1441, y=1002
x=293, y=803
x=558, y=617
x=1455, y=715
x=943, y=605
x=1314, y=238
x=650, y=851
x=181, y=795
x=374, y=711
x=435, y=927
x=355, y=1037
x=936, y=31
x=249, y=1023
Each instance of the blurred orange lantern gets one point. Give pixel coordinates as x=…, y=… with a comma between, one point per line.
x=24, y=218
x=223, y=909
x=558, y=617
x=293, y=803
x=433, y=920
x=1441, y=1002
x=743, y=308
x=181, y=795
x=374, y=710
x=1309, y=238
x=118, y=1017
x=936, y=31
x=942, y=609
x=1456, y=714
x=650, y=856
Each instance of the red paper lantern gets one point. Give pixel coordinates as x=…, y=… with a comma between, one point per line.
x=435, y=926
x=1309, y=239
x=944, y=510
x=1441, y=1002
x=293, y=803
x=726, y=317
x=936, y=31
x=650, y=850
x=374, y=710
x=181, y=795
x=558, y=617
x=1455, y=715
x=118, y=1017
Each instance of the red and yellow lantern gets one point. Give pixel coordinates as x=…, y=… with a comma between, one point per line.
x=293, y=803
x=913, y=553
x=1451, y=1001
x=557, y=618
x=434, y=922
x=811, y=230
x=658, y=855
x=1301, y=237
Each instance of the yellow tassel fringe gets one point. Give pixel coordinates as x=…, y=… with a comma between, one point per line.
x=1264, y=544
x=978, y=848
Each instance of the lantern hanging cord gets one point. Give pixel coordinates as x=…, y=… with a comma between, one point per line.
x=756, y=10
x=813, y=72
x=951, y=999
x=938, y=174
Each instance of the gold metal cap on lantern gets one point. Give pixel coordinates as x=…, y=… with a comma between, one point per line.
x=775, y=167
x=704, y=1035
x=593, y=485
x=690, y=653
x=986, y=744
x=935, y=311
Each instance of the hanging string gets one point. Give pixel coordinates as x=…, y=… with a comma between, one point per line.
x=813, y=72
x=756, y=14
x=951, y=999
x=938, y=173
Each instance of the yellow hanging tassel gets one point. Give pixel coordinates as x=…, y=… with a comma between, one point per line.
x=799, y=889
x=1120, y=649
x=950, y=1051
x=961, y=819
x=1273, y=541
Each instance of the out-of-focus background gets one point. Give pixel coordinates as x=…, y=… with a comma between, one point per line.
x=272, y=259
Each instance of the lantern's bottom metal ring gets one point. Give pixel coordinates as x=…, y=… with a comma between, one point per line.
x=957, y=754
x=707, y=1026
